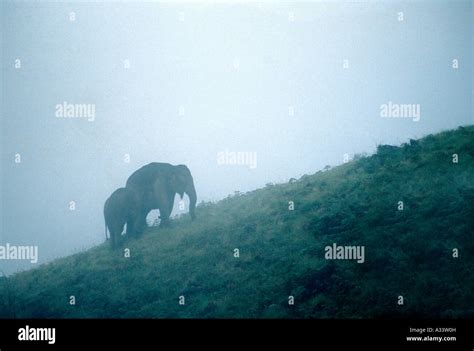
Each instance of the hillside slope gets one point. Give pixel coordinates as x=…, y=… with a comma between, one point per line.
x=282, y=252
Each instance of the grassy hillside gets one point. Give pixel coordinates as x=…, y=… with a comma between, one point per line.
x=408, y=253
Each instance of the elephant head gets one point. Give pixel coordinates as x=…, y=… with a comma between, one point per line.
x=181, y=181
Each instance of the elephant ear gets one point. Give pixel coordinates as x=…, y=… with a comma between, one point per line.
x=173, y=180
x=177, y=183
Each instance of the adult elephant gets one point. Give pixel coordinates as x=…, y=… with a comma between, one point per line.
x=157, y=184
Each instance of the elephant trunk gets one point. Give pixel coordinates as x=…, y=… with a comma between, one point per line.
x=191, y=191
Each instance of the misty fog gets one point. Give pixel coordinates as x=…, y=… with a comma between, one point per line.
x=292, y=87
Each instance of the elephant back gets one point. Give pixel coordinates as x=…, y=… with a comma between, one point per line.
x=118, y=204
x=145, y=176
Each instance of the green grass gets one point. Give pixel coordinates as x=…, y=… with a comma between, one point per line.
x=407, y=252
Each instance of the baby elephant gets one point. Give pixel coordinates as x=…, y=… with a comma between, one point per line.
x=120, y=208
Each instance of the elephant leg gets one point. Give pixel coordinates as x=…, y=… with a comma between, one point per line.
x=131, y=228
x=115, y=231
x=166, y=209
x=164, y=215
x=139, y=224
x=161, y=200
x=114, y=240
x=170, y=197
x=136, y=224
